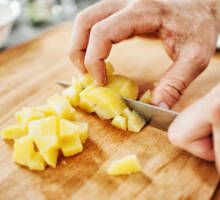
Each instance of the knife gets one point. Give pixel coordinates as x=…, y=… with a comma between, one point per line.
x=155, y=116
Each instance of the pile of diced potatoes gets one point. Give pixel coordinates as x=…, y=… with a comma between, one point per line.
x=44, y=131
x=106, y=101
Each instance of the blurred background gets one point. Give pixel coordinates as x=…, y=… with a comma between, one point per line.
x=21, y=20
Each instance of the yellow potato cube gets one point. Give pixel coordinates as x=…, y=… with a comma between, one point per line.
x=135, y=122
x=123, y=86
x=70, y=139
x=23, y=150
x=26, y=115
x=44, y=109
x=45, y=134
x=61, y=107
x=83, y=130
x=120, y=122
x=48, y=147
x=84, y=103
x=146, y=97
x=108, y=104
x=127, y=165
x=86, y=80
x=72, y=93
x=109, y=69
x=44, y=127
x=13, y=132
x=37, y=162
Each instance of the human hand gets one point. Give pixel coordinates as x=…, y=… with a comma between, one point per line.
x=192, y=129
x=188, y=30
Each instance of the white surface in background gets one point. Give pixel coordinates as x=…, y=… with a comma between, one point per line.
x=9, y=12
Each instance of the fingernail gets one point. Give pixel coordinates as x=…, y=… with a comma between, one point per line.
x=164, y=105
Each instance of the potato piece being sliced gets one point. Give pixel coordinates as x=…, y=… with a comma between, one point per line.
x=120, y=122
x=85, y=80
x=28, y=114
x=123, y=86
x=127, y=165
x=72, y=93
x=61, y=107
x=13, y=132
x=109, y=69
x=84, y=103
x=146, y=97
x=108, y=104
x=135, y=122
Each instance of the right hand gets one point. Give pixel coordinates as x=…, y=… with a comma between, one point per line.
x=188, y=29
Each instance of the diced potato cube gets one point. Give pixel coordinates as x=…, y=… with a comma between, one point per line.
x=83, y=130
x=123, y=86
x=37, y=162
x=120, y=122
x=44, y=127
x=45, y=134
x=135, y=122
x=23, y=150
x=126, y=165
x=61, y=107
x=44, y=109
x=86, y=80
x=109, y=69
x=84, y=103
x=70, y=139
x=48, y=147
x=108, y=104
x=72, y=93
x=26, y=115
x=146, y=97
x=13, y=132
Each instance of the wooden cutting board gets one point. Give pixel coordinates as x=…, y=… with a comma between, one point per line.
x=28, y=75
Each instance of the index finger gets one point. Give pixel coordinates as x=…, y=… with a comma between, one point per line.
x=82, y=26
x=119, y=26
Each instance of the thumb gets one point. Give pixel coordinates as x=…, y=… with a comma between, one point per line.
x=192, y=60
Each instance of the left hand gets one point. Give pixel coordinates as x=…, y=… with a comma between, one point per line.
x=192, y=129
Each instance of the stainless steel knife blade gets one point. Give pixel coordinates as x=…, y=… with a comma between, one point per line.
x=155, y=116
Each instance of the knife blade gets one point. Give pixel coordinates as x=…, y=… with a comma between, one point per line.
x=155, y=116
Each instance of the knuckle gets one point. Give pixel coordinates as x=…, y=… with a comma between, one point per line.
x=89, y=61
x=97, y=29
x=81, y=18
x=173, y=137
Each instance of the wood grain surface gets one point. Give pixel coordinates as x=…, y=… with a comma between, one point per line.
x=28, y=75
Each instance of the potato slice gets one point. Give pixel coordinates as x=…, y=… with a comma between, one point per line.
x=70, y=139
x=146, y=97
x=109, y=69
x=72, y=93
x=61, y=107
x=46, y=136
x=85, y=80
x=135, y=122
x=84, y=103
x=13, y=132
x=83, y=130
x=127, y=165
x=28, y=114
x=120, y=122
x=108, y=104
x=24, y=154
x=123, y=86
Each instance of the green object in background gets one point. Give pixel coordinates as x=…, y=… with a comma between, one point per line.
x=38, y=12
